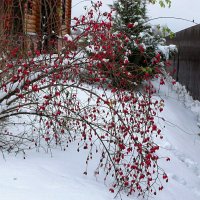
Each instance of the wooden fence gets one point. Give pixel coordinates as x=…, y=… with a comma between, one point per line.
x=187, y=61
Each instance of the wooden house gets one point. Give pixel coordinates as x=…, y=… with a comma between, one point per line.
x=39, y=20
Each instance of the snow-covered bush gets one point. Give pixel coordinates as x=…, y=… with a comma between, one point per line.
x=51, y=100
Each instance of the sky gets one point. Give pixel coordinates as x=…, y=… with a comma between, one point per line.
x=185, y=9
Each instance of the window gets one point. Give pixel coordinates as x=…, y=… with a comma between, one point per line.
x=17, y=15
x=13, y=16
x=49, y=23
x=29, y=7
x=63, y=11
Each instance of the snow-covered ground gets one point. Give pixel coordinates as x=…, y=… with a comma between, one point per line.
x=58, y=175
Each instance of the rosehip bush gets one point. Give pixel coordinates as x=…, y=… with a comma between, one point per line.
x=84, y=93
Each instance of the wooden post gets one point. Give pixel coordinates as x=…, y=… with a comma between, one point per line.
x=68, y=15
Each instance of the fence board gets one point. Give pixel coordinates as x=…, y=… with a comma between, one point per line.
x=187, y=61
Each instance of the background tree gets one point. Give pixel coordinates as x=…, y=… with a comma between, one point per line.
x=144, y=55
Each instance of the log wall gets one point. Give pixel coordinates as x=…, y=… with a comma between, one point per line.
x=31, y=17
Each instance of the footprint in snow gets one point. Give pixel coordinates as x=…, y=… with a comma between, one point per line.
x=188, y=162
x=179, y=180
x=183, y=158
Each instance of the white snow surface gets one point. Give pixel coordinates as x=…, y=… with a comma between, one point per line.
x=58, y=175
x=167, y=49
